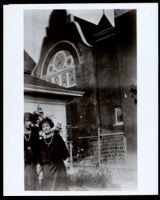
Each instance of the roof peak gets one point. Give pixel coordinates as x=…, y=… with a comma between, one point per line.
x=104, y=23
x=29, y=63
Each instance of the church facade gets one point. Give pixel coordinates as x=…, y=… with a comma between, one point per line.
x=99, y=60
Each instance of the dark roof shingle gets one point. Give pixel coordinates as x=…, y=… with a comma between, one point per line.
x=33, y=84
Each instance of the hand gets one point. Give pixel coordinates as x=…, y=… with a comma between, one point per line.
x=40, y=177
x=38, y=169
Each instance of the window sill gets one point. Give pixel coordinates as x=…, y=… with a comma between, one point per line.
x=118, y=124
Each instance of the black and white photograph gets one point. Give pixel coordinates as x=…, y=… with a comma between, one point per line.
x=80, y=100
x=80, y=96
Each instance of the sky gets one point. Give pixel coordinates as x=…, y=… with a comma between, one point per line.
x=35, y=22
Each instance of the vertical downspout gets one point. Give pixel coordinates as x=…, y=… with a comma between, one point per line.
x=97, y=108
x=119, y=82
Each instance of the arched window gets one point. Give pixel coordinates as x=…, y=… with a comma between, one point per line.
x=61, y=69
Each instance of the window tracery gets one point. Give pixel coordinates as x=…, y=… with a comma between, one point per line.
x=61, y=69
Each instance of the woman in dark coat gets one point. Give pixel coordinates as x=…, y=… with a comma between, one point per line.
x=53, y=152
x=31, y=152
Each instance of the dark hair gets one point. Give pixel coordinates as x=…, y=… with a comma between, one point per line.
x=28, y=116
x=35, y=117
x=46, y=120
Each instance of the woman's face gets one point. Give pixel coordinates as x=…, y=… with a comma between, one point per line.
x=27, y=123
x=46, y=127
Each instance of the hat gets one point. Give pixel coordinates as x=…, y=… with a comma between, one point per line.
x=35, y=117
x=47, y=120
x=28, y=116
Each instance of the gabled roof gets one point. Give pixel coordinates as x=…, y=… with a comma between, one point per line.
x=29, y=63
x=103, y=24
x=88, y=29
x=33, y=84
x=31, y=80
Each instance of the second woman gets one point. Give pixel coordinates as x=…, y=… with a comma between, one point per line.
x=53, y=152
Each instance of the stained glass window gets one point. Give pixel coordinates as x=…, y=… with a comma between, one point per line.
x=59, y=60
x=61, y=69
x=71, y=77
x=56, y=80
x=64, y=80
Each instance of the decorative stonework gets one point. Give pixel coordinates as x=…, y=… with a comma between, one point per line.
x=61, y=69
x=64, y=80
